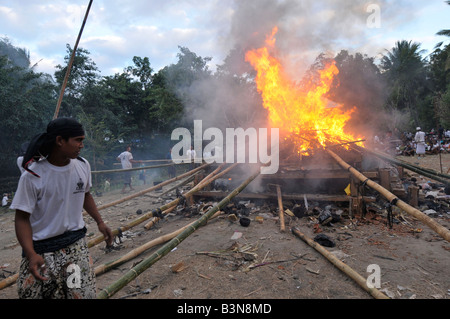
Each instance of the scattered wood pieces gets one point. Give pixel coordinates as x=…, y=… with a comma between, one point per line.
x=179, y=267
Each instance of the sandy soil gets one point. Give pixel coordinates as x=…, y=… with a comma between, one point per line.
x=226, y=260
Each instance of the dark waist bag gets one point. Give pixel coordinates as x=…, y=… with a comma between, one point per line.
x=58, y=242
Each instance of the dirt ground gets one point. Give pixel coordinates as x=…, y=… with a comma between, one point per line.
x=224, y=260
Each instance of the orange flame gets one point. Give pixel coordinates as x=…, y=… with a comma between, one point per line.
x=303, y=114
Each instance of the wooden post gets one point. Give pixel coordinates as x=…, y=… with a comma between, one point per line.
x=413, y=195
x=280, y=209
x=353, y=186
x=385, y=179
x=400, y=172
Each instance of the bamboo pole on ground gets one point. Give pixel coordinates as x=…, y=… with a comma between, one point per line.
x=340, y=265
x=145, y=264
x=154, y=220
x=187, y=180
x=394, y=200
x=163, y=208
x=9, y=281
x=101, y=269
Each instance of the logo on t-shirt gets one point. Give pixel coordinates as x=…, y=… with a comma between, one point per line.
x=80, y=187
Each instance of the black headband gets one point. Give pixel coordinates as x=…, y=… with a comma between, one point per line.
x=42, y=144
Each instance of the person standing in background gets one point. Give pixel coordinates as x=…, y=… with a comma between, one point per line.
x=420, y=142
x=126, y=159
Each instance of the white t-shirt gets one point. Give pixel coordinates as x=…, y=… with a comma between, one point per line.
x=125, y=159
x=191, y=154
x=5, y=200
x=420, y=137
x=55, y=199
x=19, y=164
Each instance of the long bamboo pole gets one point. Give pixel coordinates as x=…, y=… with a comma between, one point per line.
x=340, y=265
x=145, y=264
x=394, y=200
x=69, y=67
x=101, y=269
x=133, y=169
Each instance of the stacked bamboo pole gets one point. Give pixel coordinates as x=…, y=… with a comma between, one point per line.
x=207, y=180
x=145, y=264
x=394, y=200
x=340, y=265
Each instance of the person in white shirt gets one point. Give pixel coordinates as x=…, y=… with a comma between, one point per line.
x=420, y=142
x=49, y=223
x=5, y=200
x=191, y=154
x=126, y=159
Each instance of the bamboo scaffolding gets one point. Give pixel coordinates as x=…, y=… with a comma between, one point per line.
x=101, y=269
x=145, y=264
x=340, y=265
x=394, y=200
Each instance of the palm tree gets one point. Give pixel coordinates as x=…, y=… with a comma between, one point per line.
x=404, y=69
x=445, y=32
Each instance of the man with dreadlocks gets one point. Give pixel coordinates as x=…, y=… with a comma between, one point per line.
x=49, y=202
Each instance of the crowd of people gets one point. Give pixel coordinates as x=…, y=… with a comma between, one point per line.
x=420, y=143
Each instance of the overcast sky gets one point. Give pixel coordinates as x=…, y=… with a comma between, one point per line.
x=118, y=30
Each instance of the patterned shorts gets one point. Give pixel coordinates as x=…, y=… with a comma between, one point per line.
x=69, y=271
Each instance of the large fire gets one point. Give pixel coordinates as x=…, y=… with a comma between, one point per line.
x=302, y=114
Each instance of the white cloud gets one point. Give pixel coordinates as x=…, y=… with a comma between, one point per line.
x=116, y=31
